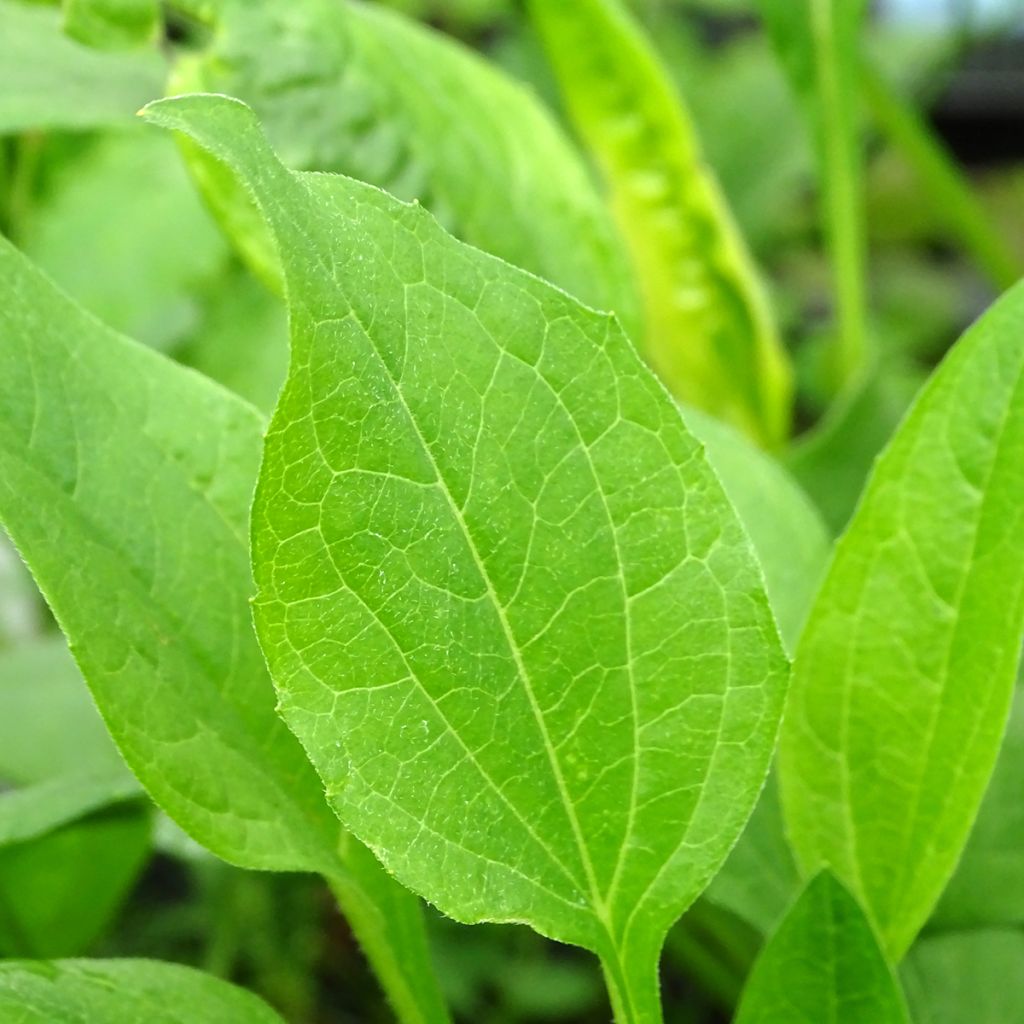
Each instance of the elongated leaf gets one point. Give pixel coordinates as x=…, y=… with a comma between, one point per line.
x=905, y=670
x=819, y=46
x=966, y=976
x=507, y=607
x=49, y=81
x=709, y=329
x=43, y=702
x=125, y=483
x=122, y=992
x=823, y=966
x=112, y=24
x=352, y=88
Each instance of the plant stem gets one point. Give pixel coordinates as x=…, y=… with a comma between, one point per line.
x=947, y=186
x=841, y=176
x=633, y=988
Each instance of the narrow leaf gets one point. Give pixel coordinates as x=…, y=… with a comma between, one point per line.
x=49, y=81
x=359, y=90
x=709, y=329
x=112, y=24
x=122, y=992
x=508, y=608
x=143, y=471
x=905, y=671
x=819, y=46
x=822, y=966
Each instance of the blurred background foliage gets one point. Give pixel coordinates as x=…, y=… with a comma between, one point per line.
x=109, y=211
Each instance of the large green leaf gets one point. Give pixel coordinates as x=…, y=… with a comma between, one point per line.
x=356, y=89
x=122, y=992
x=823, y=965
x=709, y=329
x=49, y=81
x=819, y=47
x=971, y=976
x=905, y=670
x=125, y=482
x=506, y=604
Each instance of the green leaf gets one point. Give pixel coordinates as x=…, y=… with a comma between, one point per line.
x=358, y=90
x=141, y=472
x=819, y=46
x=49, y=81
x=59, y=891
x=43, y=702
x=505, y=602
x=988, y=886
x=823, y=965
x=112, y=24
x=970, y=976
x=905, y=670
x=709, y=328
x=130, y=196
x=787, y=532
x=122, y=992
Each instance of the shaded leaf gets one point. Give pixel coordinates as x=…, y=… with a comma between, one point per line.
x=822, y=965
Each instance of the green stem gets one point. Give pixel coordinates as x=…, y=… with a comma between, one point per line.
x=841, y=175
x=948, y=188
x=633, y=987
x=387, y=922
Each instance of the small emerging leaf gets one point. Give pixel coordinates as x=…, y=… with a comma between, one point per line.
x=709, y=328
x=822, y=966
x=905, y=671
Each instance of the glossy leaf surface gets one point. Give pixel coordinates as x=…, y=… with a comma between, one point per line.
x=905, y=671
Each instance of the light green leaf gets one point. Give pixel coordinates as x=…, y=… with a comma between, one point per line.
x=130, y=196
x=122, y=992
x=819, y=46
x=709, y=328
x=786, y=530
x=121, y=476
x=359, y=90
x=112, y=24
x=59, y=891
x=905, y=670
x=823, y=965
x=965, y=977
x=49, y=81
x=988, y=886
x=506, y=604
x=43, y=702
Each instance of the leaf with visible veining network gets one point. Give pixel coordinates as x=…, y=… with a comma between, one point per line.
x=125, y=482
x=822, y=965
x=905, y=670
x=509, y=610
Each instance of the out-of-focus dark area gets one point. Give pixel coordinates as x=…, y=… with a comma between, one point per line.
x=124, y=881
